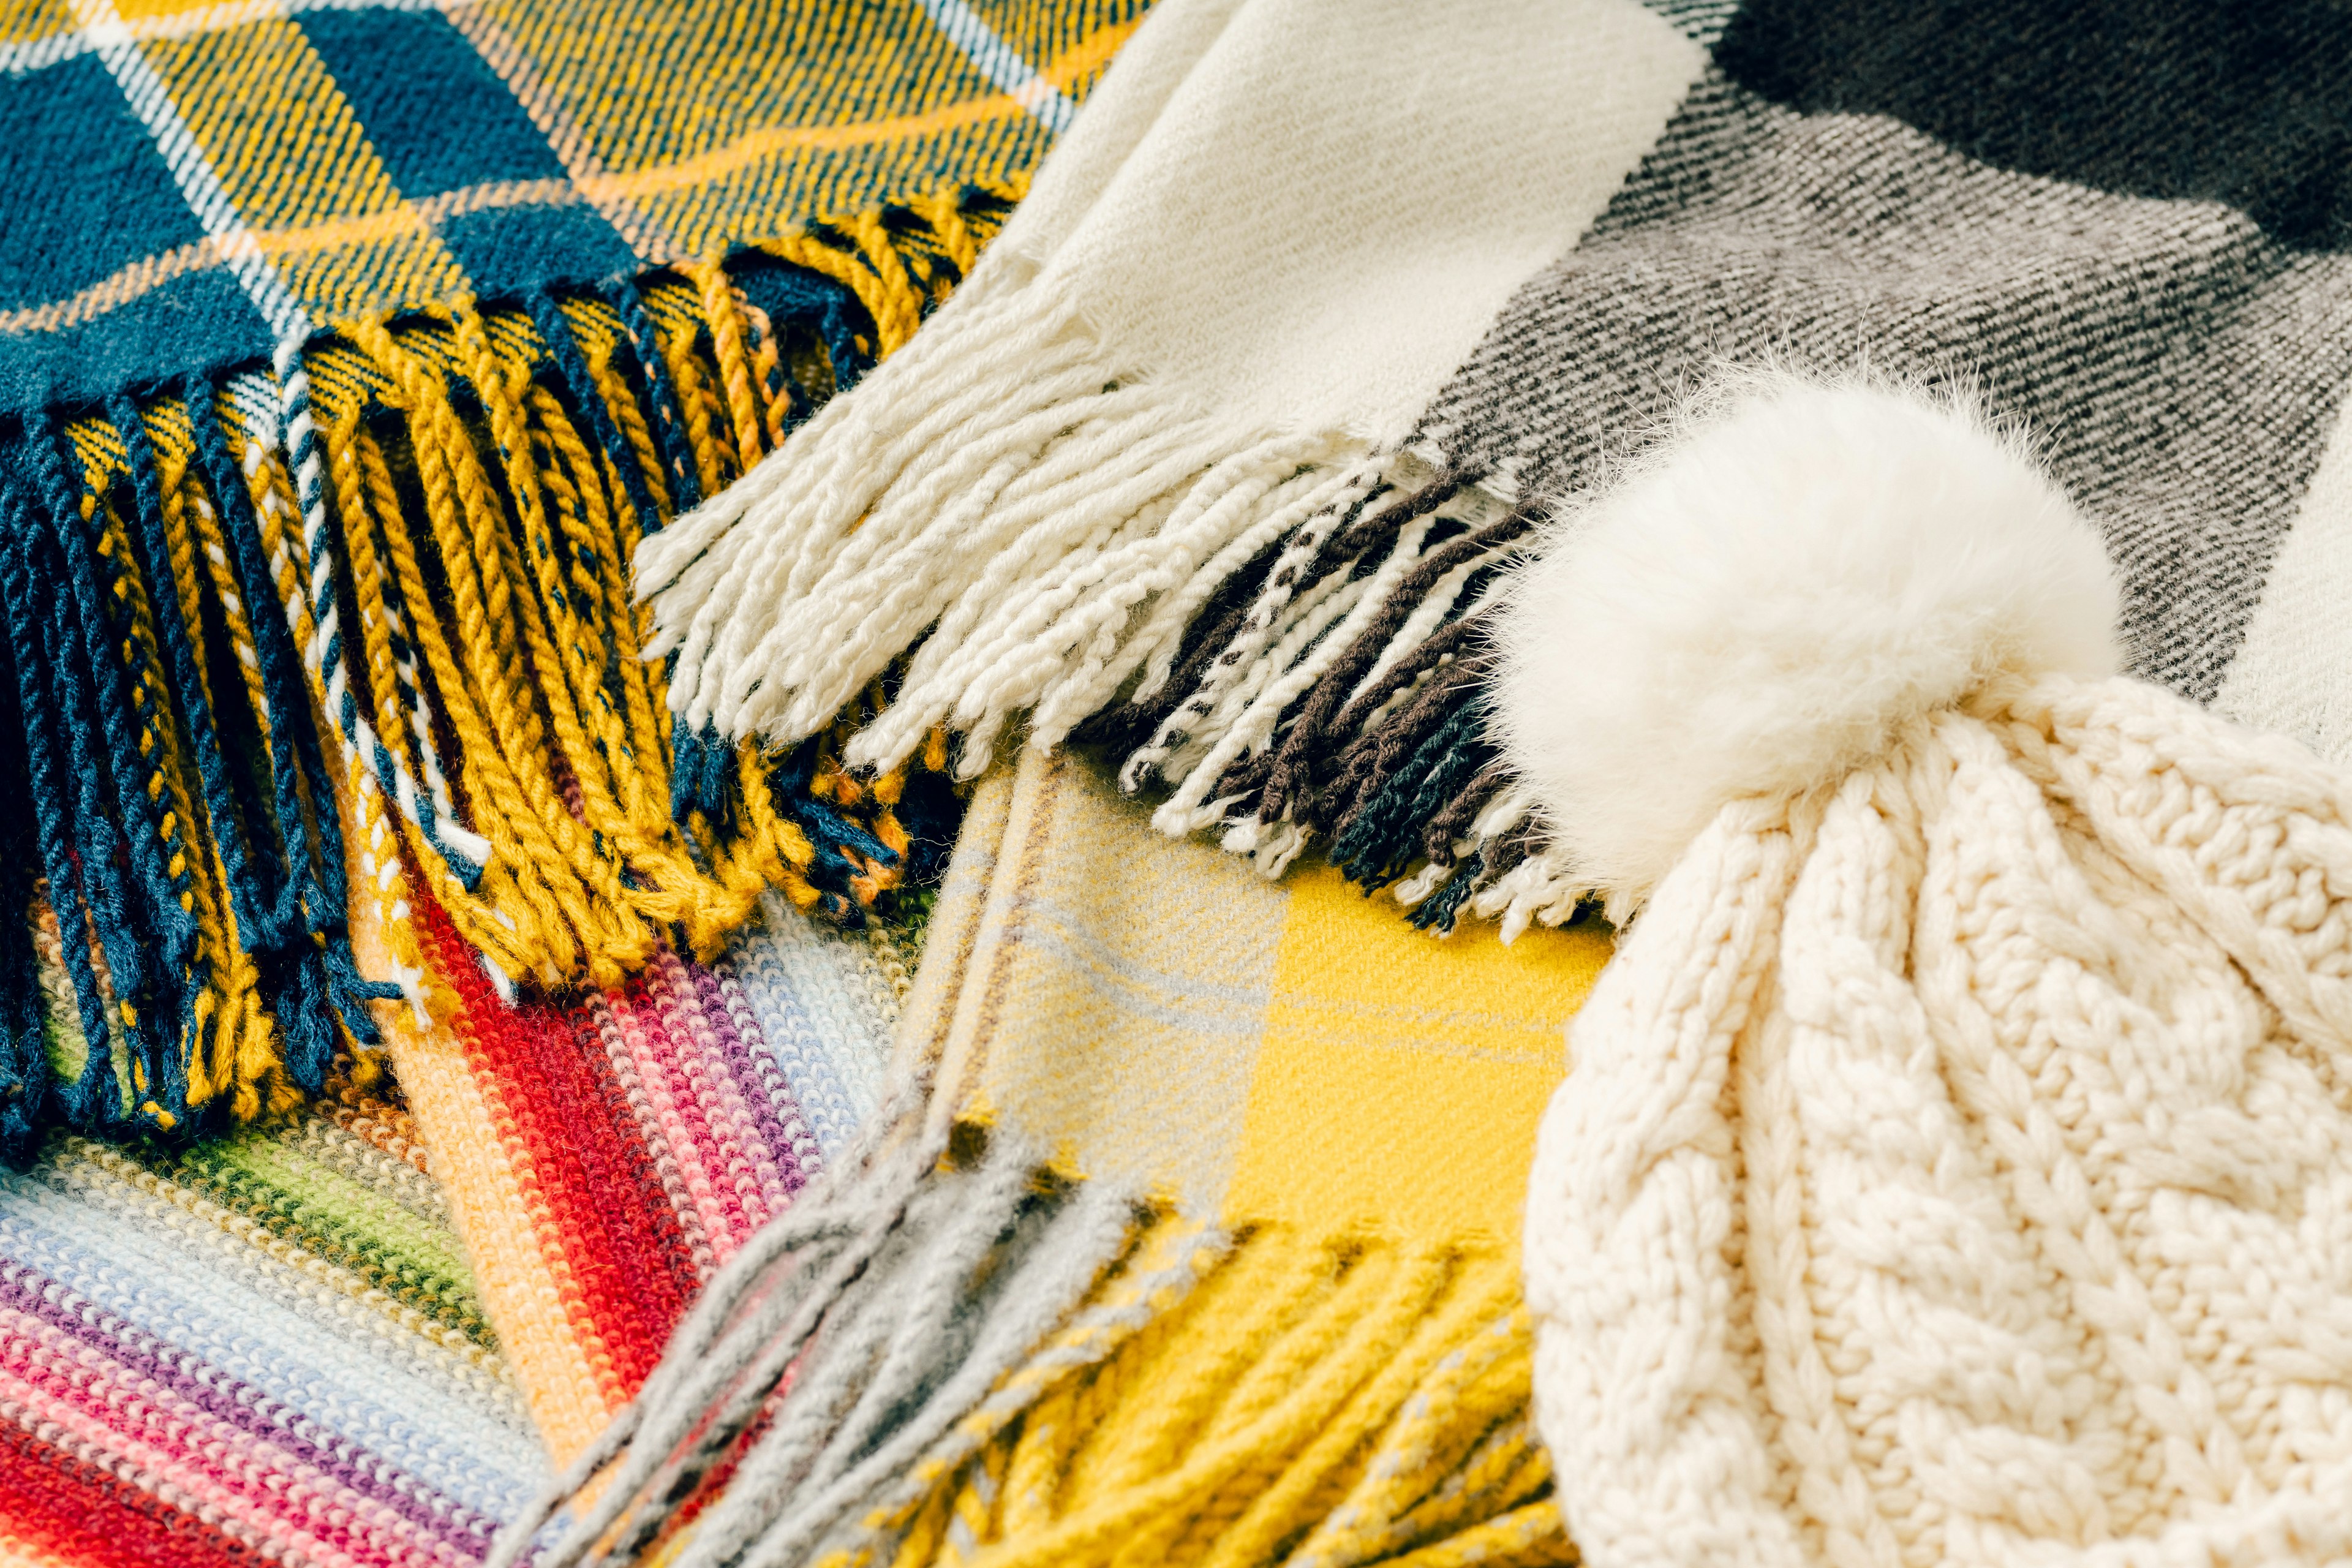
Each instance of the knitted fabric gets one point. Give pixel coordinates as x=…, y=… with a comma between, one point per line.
x=269, y=1349
x=1955, y=1164
x=168, y=1314
x=606, y=1156
x=346, y=351
x=1191, y=1242
x=2122, y=223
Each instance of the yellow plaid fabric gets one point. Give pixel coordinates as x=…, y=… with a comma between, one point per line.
x=188, y=183
x=346, y=351
x=1155, y=1013
x=1217, y=1262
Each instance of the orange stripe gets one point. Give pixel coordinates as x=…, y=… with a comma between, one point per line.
x=523, y=1290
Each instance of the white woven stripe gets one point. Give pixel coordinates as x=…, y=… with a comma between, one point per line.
x=1001, y=63
x=117, y=47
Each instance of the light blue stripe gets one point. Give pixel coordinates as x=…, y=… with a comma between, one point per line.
x=387, y=1402
x=807, y=989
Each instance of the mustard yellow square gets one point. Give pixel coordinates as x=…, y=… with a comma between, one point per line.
x=1402, y=1076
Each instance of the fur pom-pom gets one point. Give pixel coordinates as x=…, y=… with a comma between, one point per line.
x=1797, y=570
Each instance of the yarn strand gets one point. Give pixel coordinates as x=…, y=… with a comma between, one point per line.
x=389, y=575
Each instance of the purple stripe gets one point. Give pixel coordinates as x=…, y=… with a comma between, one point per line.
x=238, y=1405
x=759, y=1080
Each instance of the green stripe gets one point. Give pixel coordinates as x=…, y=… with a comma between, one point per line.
x=306, y=1202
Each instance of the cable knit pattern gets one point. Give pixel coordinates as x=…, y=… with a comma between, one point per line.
x=1957, y=1165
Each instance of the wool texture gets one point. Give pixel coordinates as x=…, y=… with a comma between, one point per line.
x=1796, y=574
x=2120, y=227
x=339, y=1341
x=269, y=1348
x=1170, y=365
x=346, y=353
x=1186, y=1236
x=318, y=1342
x=606, y=1155
x=1954, y=1163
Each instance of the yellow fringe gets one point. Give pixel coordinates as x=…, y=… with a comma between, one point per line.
x=228, y=1039
x=1330, y=1401
x=528, y=636
x=483, y=535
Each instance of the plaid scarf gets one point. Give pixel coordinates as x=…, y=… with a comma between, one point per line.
x=2122, y=224
x=1198, y=1244
x=346, y=351
x=1237, y=508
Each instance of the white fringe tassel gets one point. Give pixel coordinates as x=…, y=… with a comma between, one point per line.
x=1051, y=526
x=1040, y=530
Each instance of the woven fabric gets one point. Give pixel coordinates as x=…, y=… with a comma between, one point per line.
x=191, y=186
x=1200, y=1247
x=1250, y=1051
x=346, y=351
x=271, y=1348
x=2125, y=226
x=1215, y=358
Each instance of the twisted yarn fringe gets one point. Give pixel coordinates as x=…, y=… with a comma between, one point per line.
x=379, y=591
x=991, y=1364
x=1028, y=529
x=1284, y=630
x=1330, y=690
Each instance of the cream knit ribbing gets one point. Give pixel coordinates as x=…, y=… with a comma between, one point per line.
x=1957, y=1168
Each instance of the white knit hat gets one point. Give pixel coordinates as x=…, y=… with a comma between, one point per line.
x=1956, y=1161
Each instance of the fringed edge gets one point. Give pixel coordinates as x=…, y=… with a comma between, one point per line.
x=1330, y=692
x=992, y=1363
x=392, y=570
x=1282, y=629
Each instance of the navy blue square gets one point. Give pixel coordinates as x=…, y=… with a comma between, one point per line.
x=504, y=250
x=87, y=193
x=199, y=321
x=438, y=117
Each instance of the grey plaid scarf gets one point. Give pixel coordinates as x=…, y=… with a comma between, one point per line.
x=2124, y=222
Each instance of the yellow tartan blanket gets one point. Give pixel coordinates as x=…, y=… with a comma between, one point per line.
x=1196, y=1240
x=1146, y=1012
x=347, y=352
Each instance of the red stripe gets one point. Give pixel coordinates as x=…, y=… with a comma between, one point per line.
x=593, y=1170
x=59, y=1505
x=662, y=1255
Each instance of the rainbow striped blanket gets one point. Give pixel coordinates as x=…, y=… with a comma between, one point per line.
x=357, y=1337
x=269, y=1347
x=346, y=351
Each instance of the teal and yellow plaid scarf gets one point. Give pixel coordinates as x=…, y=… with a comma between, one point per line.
x=346, y=351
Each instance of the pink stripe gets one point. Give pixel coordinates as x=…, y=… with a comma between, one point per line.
x=129, y=1404
x=201, y=1491
x=799, y=1142
x=679, y=1126
x=600, y=1014
x=91, y=1369
x=752, y=1166
x=719, y=1139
